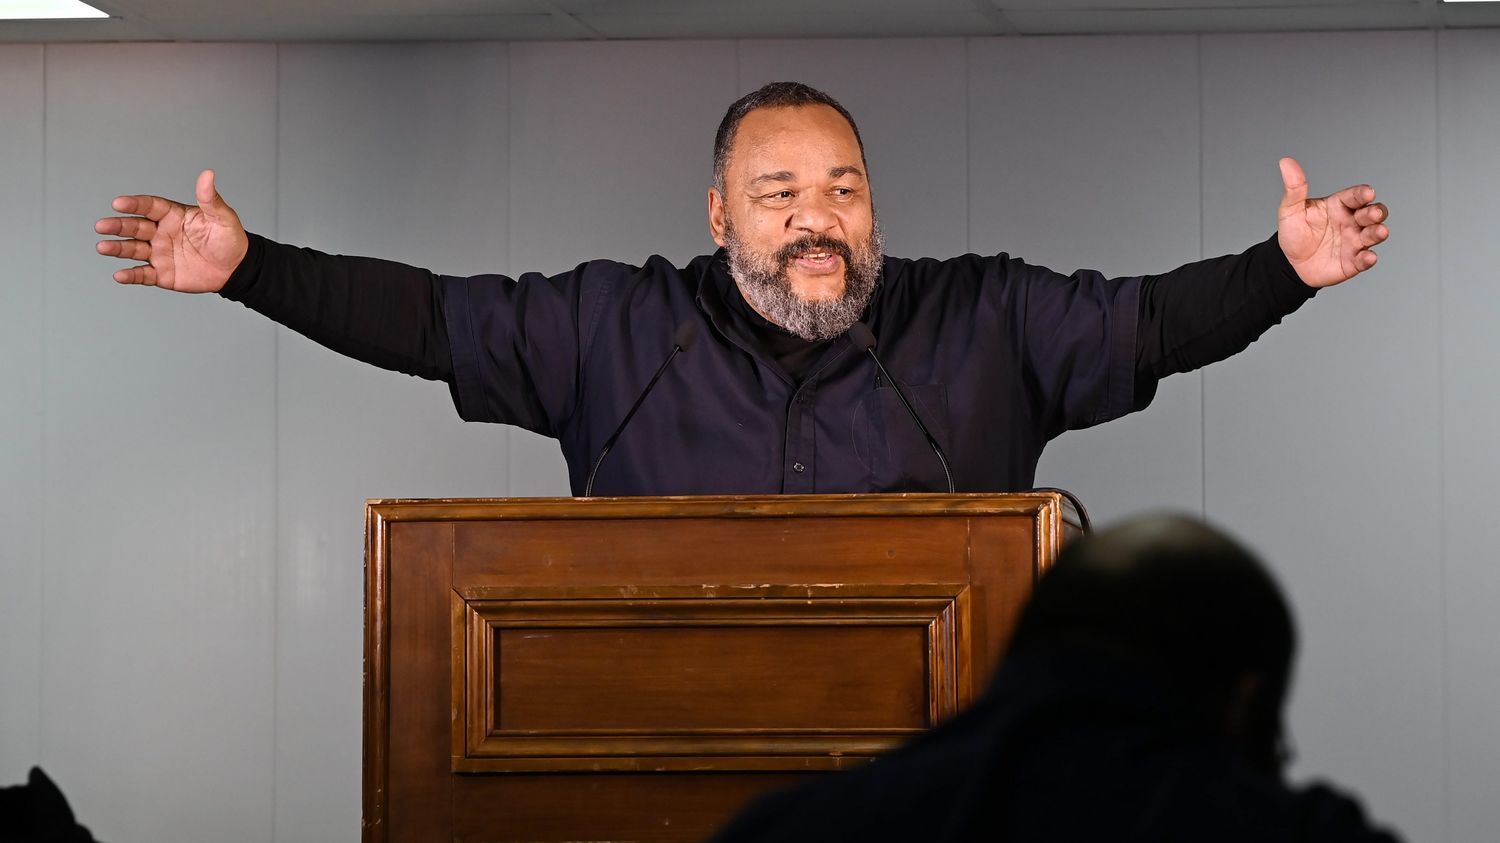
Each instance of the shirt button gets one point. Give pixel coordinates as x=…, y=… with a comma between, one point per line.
x=798, y=467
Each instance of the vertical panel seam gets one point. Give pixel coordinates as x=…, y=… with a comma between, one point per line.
x=276, y=538
x=510, y=233
x=1202, y=249
x=43, y=486
x=968, y=149
x=1442, y=442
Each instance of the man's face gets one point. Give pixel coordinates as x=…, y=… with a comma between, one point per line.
x=797, y=220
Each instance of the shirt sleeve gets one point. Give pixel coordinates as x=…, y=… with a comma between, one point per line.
x=1078, y=339
x=1206, y=311
x=381, y=312
x=1096, y=347
x=509, y=349
x=518, y=344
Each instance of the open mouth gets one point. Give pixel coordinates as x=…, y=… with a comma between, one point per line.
x=816, y=255
x=817, y=262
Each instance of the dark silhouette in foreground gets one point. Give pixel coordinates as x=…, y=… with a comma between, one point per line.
x=1141, y=700
x=37, y=812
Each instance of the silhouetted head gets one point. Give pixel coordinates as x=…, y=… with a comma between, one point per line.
x=1185, y=604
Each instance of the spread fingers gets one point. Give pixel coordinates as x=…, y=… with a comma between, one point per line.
x=135, y=250
x=137, y=275
x=1371, y=214
x=138, y=227
x=151, y=207
x=1373, y=235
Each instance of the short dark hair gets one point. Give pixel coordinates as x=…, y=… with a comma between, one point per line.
x=773, y=95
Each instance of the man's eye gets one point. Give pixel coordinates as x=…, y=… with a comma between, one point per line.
x=781, y=194
x=843, y=191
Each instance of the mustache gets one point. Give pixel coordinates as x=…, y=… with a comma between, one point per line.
x=814, y=243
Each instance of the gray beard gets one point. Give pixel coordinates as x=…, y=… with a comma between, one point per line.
x=763, y=281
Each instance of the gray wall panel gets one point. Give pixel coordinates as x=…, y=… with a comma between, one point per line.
x=159, y=530
x=200, y=500
x=21, y=413
x=1084, y=153
x=399, y=152
x=611, y=151
x=908, y=98
x=1322, y=441
x=1469, y=123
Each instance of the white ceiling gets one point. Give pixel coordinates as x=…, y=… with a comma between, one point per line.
x=528, y=20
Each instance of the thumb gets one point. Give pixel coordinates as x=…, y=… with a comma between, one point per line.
x=209, y=199
x=1293, y=185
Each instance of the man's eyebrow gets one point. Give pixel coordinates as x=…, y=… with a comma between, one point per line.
x=781, y=176
x=787, y=176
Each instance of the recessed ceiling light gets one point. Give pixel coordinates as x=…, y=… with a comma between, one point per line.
x=1470, y=1
x=48, y=10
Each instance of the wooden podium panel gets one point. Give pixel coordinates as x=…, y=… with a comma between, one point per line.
x=637, y=668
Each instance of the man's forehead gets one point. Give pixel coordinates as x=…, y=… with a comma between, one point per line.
x=805, y=131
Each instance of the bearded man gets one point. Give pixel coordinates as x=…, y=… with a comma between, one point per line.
x=997, y=356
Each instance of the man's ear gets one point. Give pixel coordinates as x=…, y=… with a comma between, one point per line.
x=1252, y=722
x=1239, y=712
x=716, y=215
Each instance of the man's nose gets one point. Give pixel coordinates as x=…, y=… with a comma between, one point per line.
x=813, y=215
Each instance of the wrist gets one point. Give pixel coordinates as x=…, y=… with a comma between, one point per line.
x=240, y=284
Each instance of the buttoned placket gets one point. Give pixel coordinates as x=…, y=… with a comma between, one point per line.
x=800, y=452
x=800, y=442
x=799, y=446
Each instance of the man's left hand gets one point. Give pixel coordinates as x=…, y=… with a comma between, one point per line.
x=1328, y=240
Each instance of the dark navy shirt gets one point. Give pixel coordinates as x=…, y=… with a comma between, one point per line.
x=997, y=356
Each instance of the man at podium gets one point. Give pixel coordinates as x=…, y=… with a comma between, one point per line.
x=804, y=359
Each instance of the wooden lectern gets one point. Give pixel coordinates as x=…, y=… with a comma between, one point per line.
x=638, y=668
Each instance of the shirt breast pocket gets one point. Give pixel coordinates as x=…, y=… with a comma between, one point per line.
x=892, y=447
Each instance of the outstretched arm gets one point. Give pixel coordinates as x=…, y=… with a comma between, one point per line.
x=383, y=313
x=1206, y=311
x=380, y=312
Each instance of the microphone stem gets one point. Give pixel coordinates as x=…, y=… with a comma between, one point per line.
x=901, y=394
x=588, y=488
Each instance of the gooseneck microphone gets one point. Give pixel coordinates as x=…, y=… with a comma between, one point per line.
x=682, y=339
x=864, y=340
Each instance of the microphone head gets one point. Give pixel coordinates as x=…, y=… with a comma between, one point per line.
x=860, y=335
x=683, y=337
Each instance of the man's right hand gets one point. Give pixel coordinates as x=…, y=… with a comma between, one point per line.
x=188, y=248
